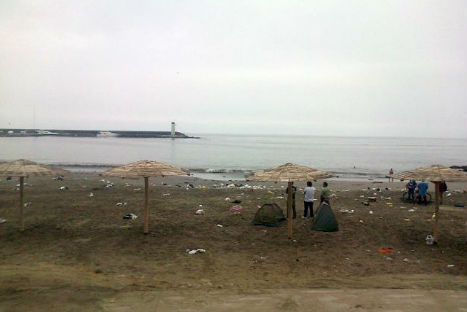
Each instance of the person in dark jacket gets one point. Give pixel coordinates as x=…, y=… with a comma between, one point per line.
x=294, y=190
x=443, y=187
x=411, y=185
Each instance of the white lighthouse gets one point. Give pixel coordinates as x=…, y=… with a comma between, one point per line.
x=172, y=130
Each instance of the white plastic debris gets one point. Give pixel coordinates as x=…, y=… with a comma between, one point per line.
x=347, y=211
x=219, y=225
x=137, y=189
x=62, y=188
x=227, y=199
x=199, y=212
x=406, y=260
x=195, y=251
x=430, y=240
x=166, y=194
x=371, y=211
x=130, y=216
x=27, y=204
x=121, y=204
x=411, y=210
x=2, y=220
x=450, y=265
x=91, y=194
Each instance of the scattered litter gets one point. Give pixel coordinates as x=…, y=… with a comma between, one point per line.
x=388, y=258
x=450, y=265
x=121, y=204
x=371, y=212
x=362, y=196
x=429, y=239
x=130, y=216
x=459, y=205
x=411, y=210
x=280, y=197
x=347, y=211
x=27, y=204
x=166, y=194
x=237, y=201
x=405, y=260
x=385, y=250
x=91, y=194
x=137, y=189
x=366, y=203
x=195, y=251
x=237, y=209
x=199, y=212
x=2, y=220
x=402, y=207
x=408, y=220
x=448, y=194
x=227, y=199
x=219, y=225
x=371, y=199
x=109, y=184
x=361, y=221
x=62, y=188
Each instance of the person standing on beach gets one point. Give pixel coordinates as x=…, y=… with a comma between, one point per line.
x=443, y=187
x=294, y=190
x=325, y=194
x=309, y=194
x=411, y=190
x=422, y=190
x=391, y=175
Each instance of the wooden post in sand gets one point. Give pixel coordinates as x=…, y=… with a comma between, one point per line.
x=146, y=209
x=435, y=225
x=21, y=205
x=289, y=208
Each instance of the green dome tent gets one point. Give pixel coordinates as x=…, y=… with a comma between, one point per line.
x=324, y=220
x=269, y=215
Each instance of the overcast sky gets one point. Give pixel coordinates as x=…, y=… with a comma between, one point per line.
x=363, y=68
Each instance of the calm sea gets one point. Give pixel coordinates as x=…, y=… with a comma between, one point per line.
x=231, y=156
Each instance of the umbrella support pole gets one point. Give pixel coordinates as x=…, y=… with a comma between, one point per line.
x=289, y=209
x=21, y=204
x=435, y=225
x=146, y=208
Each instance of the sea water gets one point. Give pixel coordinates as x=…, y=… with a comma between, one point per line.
x=233, y=156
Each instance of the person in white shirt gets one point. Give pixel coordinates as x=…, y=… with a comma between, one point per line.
x=309, y=193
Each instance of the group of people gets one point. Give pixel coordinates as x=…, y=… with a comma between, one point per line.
x=417, y=192
x=309, y=195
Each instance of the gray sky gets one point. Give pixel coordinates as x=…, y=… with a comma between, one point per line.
x=370, y=68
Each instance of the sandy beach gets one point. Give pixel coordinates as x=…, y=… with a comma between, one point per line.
x=78, y=254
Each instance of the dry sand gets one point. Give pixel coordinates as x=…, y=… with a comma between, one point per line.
x=78, y=255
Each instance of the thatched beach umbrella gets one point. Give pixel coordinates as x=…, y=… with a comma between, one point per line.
x=145, y=169
x=289, y=172
x=435, y=174
x=24, y=168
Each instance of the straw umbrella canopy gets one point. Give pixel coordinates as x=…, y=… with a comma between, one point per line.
x=435, y=174
x=25, y=168
x=145, y=169
x=289, y=172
